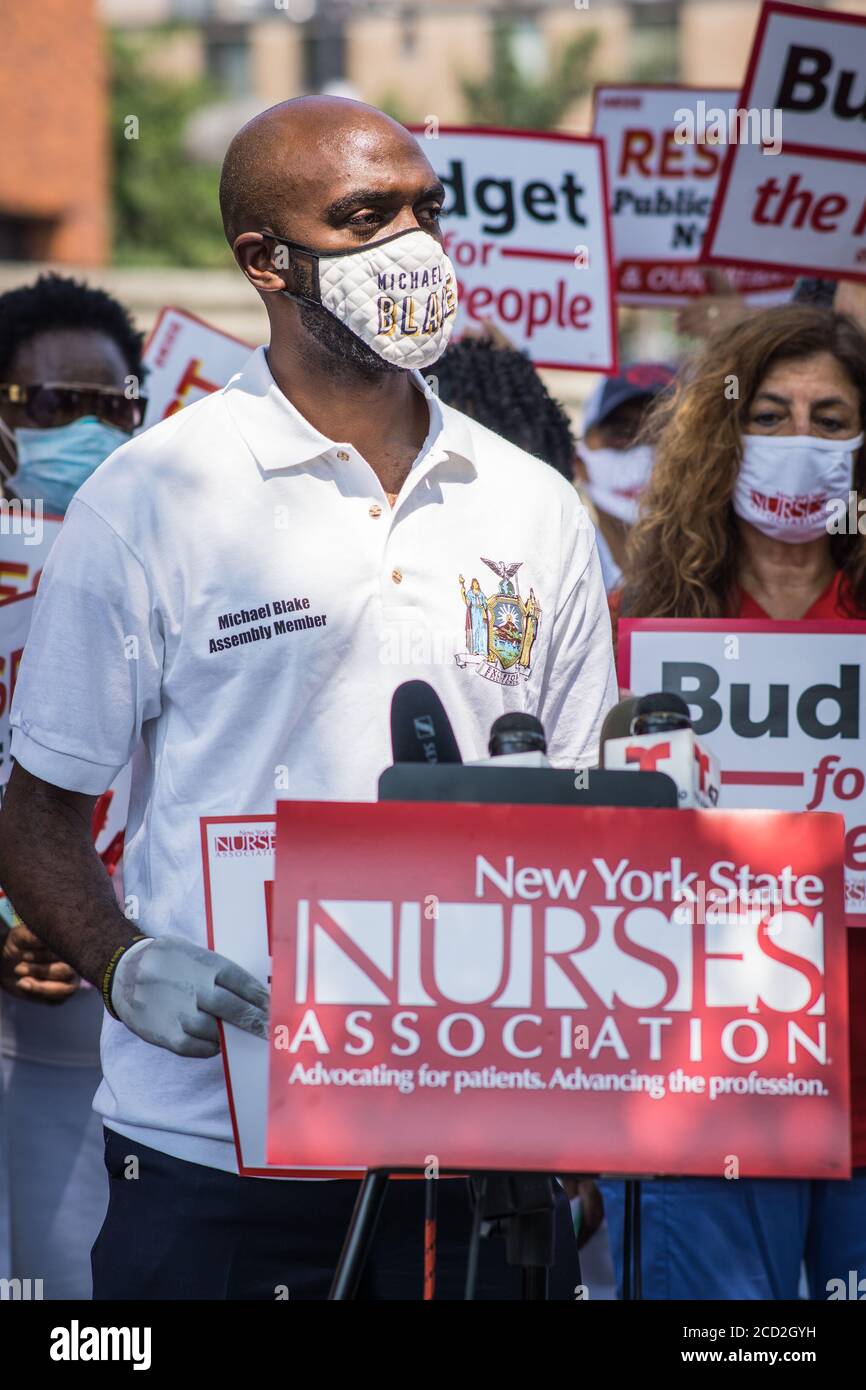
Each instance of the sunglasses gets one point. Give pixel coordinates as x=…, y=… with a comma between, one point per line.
x=50, y=404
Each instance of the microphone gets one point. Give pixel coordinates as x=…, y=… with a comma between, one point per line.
x=421, y=731
x=516, y=733
x=617, y=723
x=516, y=740
x=653, y=733
x=657, y=713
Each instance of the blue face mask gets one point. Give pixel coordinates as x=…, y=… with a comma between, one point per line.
x=52, y=464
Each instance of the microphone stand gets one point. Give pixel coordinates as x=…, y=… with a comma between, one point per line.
x=632, y=1276
x=519, y=1206
x=359, y=1237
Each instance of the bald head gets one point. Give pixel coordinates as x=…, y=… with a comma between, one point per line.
x=309, y=153
x=334, y=176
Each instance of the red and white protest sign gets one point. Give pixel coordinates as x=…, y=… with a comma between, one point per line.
x=110, y=810
x=527, y=231
x=782, y=705
x=110, y=814
x=662, y=187
x=15, y=615
x=805, y=207
x=187, y=359
x=238, y=854
x=25, y=540
x=559, y=989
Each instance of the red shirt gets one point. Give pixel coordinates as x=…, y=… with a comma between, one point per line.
x=830, y=606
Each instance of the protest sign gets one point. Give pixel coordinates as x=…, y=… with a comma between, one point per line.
x=186, y=359
x=15, y=615
x=26, y=536
x=526, y=228
x=782, y=705
x=663, y=167
x=559, y=989
x=238, y=861
x=109, y=822
x=110, y=810
x=805, y=207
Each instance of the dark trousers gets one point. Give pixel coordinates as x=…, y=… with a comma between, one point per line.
x=179, y=1230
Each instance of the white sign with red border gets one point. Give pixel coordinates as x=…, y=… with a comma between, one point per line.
x=15, y=615
x=782, y=705
x=526, y=228
x=187, y=359
x=805, y=207
x=662, y=191
x=110, y=810
x=25, y=541
x=238, y=854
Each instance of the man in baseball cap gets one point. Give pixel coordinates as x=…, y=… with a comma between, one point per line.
x=611, y=466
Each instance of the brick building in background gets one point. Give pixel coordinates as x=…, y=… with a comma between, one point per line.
x=54, y=186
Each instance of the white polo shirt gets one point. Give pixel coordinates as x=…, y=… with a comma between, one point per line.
x=231, y=594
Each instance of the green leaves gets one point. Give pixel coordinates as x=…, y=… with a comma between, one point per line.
x=165, y=203
x=507, y=98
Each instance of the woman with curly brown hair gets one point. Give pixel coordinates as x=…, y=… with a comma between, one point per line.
x=764, y=428
x=731, y=524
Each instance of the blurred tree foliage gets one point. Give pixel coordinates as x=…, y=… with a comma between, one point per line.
x=394, y=106
x=506, y=97
x=165, y=206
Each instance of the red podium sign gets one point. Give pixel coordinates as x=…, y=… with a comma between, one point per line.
x=559, y=989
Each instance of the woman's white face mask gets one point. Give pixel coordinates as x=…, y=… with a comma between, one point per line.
x=616, y=478
x=785, y=483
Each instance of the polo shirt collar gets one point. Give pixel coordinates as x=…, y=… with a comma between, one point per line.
x=279, y=436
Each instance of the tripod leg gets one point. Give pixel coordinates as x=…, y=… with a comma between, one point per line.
x=638, y=1274
x=475, y=1239
x=627, y=1243
x=535, y=1282
x=632, y=1271
x=430, y=1195
x=359, y=1236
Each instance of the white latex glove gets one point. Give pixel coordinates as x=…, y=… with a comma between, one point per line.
x=171, y=993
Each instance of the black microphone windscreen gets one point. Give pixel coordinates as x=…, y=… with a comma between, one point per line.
x=617, y=721
x=662, y=702
x=517, y=733
x=421, y=731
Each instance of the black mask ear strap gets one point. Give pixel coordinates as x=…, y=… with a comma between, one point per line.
x=8, y=437
x=303, y=265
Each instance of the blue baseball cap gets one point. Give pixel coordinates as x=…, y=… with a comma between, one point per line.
x=641, y=379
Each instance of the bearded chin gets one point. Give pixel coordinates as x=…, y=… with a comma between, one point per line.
x=339, y=344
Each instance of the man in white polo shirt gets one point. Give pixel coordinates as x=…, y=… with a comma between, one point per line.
x=233, y=599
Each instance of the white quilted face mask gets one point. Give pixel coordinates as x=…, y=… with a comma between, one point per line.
x=398, y=295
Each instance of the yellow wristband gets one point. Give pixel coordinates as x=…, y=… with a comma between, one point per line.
x=109, y=973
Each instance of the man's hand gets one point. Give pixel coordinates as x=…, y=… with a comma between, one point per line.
x=850, y=298
x=718, y=309
x=591, y=1207
x=171, y=993
x=28, y=970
